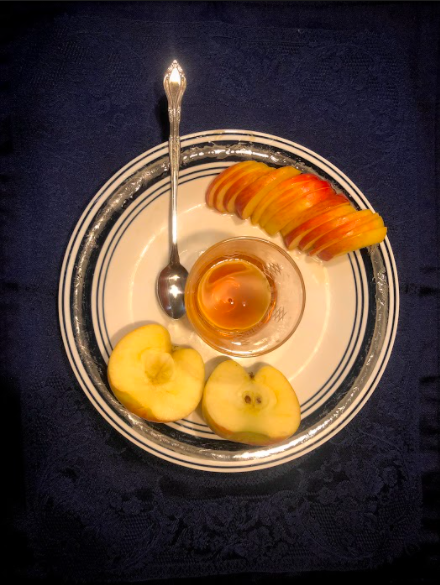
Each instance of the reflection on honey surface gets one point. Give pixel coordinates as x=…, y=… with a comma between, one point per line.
x=234, y=294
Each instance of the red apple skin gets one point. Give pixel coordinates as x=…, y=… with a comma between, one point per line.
x=225, y=175
x=248, y=199
x=234, y=184
x=369, y=238
x=274, y=193
x=316, y=210
x=314, y=235
x=286, y=214
x=284, y=193
x=303, y=207
x=293, y=238
x=349, y=230
x=354, y=226
x=290, y=195
x=234, y=191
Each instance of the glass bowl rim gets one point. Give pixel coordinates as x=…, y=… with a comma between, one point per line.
x=298, y=273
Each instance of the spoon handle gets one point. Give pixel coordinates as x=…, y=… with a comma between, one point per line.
x=175, y=84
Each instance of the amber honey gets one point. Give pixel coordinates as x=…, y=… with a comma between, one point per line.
x=234, y=295
x=244, y=296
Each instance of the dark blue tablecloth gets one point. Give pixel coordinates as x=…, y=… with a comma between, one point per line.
x=82, y=95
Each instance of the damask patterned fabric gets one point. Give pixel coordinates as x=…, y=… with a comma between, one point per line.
x=356, y=83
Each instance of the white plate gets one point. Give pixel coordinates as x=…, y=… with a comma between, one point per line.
x=335, y=358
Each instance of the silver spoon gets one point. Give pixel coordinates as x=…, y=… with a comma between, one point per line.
x=171, y=281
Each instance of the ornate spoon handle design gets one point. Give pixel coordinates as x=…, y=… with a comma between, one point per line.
x=174, y=84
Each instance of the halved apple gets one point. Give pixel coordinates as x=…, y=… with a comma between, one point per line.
x=249, y=198
x=255, y=410
x=227, y=174
x=241, y=184
x=353, y=226
x=276, y=191
x=151, y=379
x=356, y=242
x=293, y=238
x=282, y=217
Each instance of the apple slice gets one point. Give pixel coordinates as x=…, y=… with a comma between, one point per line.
x=291, y=194
x=226, y=175
x=350, y=244
x=238, y=187
x=258, y=410
x=275, y=192
x=353, y=226
x=249, y=198
x=282, y=217
x=151, y=379
x=349, y=230
x=315, y=211
x=236, y=183
x=322, y=230
x=293, y=238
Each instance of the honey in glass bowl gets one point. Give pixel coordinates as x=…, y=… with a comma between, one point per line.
x=244, y=296
x=234, y=294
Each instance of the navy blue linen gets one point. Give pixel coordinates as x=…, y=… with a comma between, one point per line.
x=358, y=84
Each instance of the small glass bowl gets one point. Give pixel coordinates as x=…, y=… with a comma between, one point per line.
x=287, y=289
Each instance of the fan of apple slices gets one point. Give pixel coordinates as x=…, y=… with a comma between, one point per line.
x=305, y=209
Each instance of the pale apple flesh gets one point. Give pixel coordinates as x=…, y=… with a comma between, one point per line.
x=153, y=381
x=259, y=410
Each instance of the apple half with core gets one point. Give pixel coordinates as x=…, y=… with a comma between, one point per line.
x=153, y=380
x=255, y=410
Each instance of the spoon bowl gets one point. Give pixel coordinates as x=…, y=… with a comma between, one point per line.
x=171, y=290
